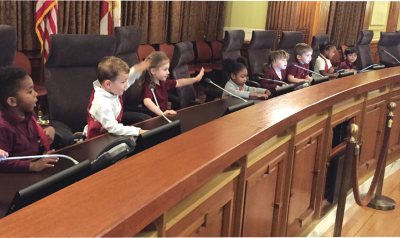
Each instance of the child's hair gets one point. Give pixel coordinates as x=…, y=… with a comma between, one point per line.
x=10, y=82
x=325, y=46
x=350, y=50
x=157, y=59
x=110, y=67
x=301, y=48
x=232, y=66
x=277, y=55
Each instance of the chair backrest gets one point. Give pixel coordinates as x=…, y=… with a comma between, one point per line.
x=204, y=52
x=259, y=50
x=317, y=40
x=144, y=51
x=168, y=49
x=364, y=56
x=233, y=41
x=389, y=42
x=128, y=40
x=22, y=61
x=8, y=45
x=335, y=59
x=179, y=69
x=288, y=40
x=343, y=48
x=216, y=47
x=70, y=71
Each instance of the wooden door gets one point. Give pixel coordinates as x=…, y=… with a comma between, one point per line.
x=394, y=143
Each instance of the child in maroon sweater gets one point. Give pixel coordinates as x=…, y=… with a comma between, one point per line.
x=350, y=57
x=277, y=70
x=20, y=134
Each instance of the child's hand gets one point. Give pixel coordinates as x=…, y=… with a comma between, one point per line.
x=267, y=92
x=142, y=66
x=3, y=154
x=262, y=96
x=40, y=164
x=169, y=112
x=200, y=75
x=50, y=132
x=309, y=78
x=335, y=75
x=277, y=86
x=142, y=131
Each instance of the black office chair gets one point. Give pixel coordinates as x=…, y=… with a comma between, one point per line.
x=259, y=50
x=364, y=56
x=287, y=42
x=388, y=49
x=233, y=41
x=8, y=45
x=317, y=40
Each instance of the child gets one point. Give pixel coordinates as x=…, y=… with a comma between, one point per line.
x=277, y=63
x=237, y=71
x=20, y=134
x=350, y=56
x=3, y=154
x=303, y=53
x=157, y=75
x=323, y=62
x=105, y=105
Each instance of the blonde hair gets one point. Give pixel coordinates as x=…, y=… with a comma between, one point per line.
x=110, y=67
x=157, y=59
x=301, y=48
x=275, y=55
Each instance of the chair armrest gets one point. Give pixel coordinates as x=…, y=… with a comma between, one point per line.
x=63, y=135
x=252, y=84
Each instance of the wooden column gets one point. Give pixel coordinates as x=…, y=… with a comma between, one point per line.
x=393, y=17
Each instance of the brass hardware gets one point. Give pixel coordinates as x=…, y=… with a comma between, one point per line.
x=352, y=131
x=390, y=122
x=391, y=106
x=40, y=121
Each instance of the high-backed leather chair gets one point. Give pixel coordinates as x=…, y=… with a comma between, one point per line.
x=388, y=45
x=259, y=50
x=233, y=41
x=70, y=71
x=8, y=45
x=364, y=56
x=128, y=40
x=168, y=49
x=317, y=40
x=179, y=69
x=288, y=40
x=216, y=47
x=144, y=51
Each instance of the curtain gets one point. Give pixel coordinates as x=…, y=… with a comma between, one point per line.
x=78, y=17
x=345, y=21
x=215, y=19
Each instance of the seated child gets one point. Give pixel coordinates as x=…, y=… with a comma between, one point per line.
x=350, y=57
x=277, y=65
x=105, y=105
x=157, y=75
x=237, y=72
x=323, y=63
x=20, y=134
x=3, y=154
x=303, y=53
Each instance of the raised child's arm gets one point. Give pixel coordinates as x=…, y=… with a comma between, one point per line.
x=187, y=81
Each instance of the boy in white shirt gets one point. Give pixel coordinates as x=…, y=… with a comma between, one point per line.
x=105, y=105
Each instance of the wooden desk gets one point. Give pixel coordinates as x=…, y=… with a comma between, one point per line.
x=190, y=118
x=266, y=163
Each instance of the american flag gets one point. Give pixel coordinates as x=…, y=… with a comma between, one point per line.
x=46, y=23
x=106, y=20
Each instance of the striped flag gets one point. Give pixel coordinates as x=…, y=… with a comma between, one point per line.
x=46, y=23
x=106, y=16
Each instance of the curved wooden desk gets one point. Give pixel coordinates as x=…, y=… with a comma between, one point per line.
x=265, y=164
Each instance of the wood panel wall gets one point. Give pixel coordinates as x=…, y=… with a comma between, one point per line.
x=393, y=17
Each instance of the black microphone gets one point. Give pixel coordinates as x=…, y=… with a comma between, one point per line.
x=151, y=87
x=293, y=64
x=392, y=56
x=209, y=81
x=259, y=78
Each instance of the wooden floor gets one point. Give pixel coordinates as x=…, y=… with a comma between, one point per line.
x=364, y=221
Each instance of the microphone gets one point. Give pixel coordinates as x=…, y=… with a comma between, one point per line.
x=293, y=64
x=372, y=65
x=151, y=86
x=209, y=81
x=39, y=156
x=392, y=56
x=259, y=78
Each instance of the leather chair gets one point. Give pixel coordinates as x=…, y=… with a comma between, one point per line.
x=144, y=51
x=70, y=70
x=8, y=45
x=288, y=40
x=259, y=50
x=364, y=56
x=216, y=47
x=233, y=41
x=179, y=69
x=205, y=57
x=317, y=40
x=343, y=49
x=389, y=42
x=168, y=49
x=128, y=40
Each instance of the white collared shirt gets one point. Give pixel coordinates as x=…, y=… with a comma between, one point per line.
x=106, y=107
x=320, y=63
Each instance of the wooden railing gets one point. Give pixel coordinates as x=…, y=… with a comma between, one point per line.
x=258, y=172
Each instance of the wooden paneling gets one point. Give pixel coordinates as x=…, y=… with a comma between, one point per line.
x=374, y=50
x=304, y=19
x=367, y=16
x=393, y=16
x=394, y=144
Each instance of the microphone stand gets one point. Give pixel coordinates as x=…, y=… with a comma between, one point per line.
x=392, y=56
x=39, y=156
x=209, y=81
x=273, y=80
x=307, y=69
x=158, y=107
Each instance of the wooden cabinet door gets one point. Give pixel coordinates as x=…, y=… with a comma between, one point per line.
x=264, y=196
x=372, y=134
x=308, y=153
x=394, y=143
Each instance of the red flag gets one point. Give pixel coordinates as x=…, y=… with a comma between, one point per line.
x=46, y=23
x=105, y=18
